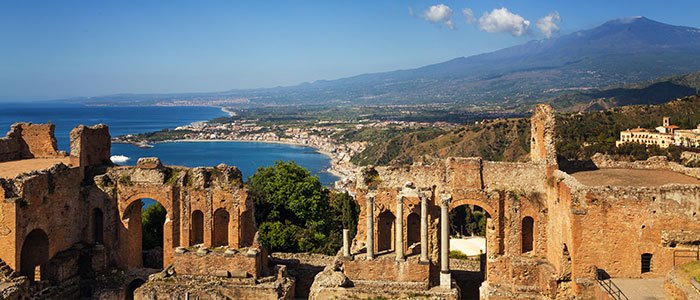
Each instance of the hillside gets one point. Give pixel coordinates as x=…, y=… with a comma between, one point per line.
x=579, y=136
x=503, y=139
x=582, y=135
x=657, y=91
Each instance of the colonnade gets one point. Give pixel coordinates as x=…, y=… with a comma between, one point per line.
x=445, y=278
x=399, y=229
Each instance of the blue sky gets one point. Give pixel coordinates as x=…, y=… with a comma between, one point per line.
x=61, y=49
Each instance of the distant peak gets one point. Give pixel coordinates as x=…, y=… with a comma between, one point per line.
x=629, y=20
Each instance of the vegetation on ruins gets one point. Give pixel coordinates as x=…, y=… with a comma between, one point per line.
x=692, y=269
x=295, y=213
x=152, y=220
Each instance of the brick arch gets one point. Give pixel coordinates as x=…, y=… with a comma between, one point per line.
x=480, y=203
x=163, y=199
x=494, y=235
x=34, y=254
x=130, y=237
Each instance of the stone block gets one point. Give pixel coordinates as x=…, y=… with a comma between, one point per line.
x=149, y=163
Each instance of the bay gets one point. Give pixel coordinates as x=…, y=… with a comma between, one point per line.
x=247, y=156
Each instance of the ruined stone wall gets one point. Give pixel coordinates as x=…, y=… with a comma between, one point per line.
x=8, y=222
x=27, y=140
x=559, y=240
x=238, y=265
x=542, y=132
x=613, y=226
x=303, y=267
x=10, y=146
x=387, y=268
x=214, y=287
x=90, y=146
x=510, y=176
x=49, y=201
x=37, y=140
x=508, y=192
x=603, y=161
x=181, y=191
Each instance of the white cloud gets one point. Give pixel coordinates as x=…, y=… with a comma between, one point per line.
x=439, y=14
x=469, y=15
x=548, y=24
x=502, y=20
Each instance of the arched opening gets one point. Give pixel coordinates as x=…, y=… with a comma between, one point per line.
x=153, y=219
x=385, y=231
x=197, y=228
x=131, y=288
x=97, y=226
x=413, y=233
x=35, y=252
x=221, y=220
x=646, y=262
x=468, y=229
x=527, y=234
x=142, y=242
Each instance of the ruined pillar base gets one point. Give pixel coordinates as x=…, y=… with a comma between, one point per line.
x=445, y=280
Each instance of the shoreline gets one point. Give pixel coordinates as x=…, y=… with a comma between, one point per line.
x=333, y=160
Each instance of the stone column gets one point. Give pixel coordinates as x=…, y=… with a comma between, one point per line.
x=445, y=278
x=346, y=242
x=424, y=227
x=370, y=227
x=399, y=229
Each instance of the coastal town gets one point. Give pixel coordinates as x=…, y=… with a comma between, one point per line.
x=320, y=136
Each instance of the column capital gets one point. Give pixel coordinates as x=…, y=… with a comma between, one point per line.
x=399, y=199
x=445, y=199
x=370, y=198
x=424, y=195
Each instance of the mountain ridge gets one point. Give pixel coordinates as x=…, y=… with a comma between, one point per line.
x=618, y=51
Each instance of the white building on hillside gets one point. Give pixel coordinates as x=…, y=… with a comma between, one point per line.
x=664, y=136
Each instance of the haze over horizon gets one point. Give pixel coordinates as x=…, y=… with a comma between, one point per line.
x=73, y=49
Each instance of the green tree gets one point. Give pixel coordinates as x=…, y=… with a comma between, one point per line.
x=152, y=220
x=294, y=212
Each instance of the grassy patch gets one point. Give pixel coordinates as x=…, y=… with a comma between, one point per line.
x=692, y=269
x=456, y=254
x=172, y=179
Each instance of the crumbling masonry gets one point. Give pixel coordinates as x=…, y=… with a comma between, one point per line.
x=66, y=228
x=70, y=225
x=548, y=234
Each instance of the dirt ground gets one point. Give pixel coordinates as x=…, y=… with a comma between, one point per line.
x=630, y=177
x=11, y=169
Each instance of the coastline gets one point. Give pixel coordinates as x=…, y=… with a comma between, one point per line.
x=333, y=159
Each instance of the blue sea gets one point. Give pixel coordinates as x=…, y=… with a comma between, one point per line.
x=247, y=156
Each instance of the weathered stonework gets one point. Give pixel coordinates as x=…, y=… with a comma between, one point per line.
x=82, y=216
x=547, y=233
x=27, y=140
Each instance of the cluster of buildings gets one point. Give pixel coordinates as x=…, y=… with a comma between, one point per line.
x=318, y=137
x=664, y=136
